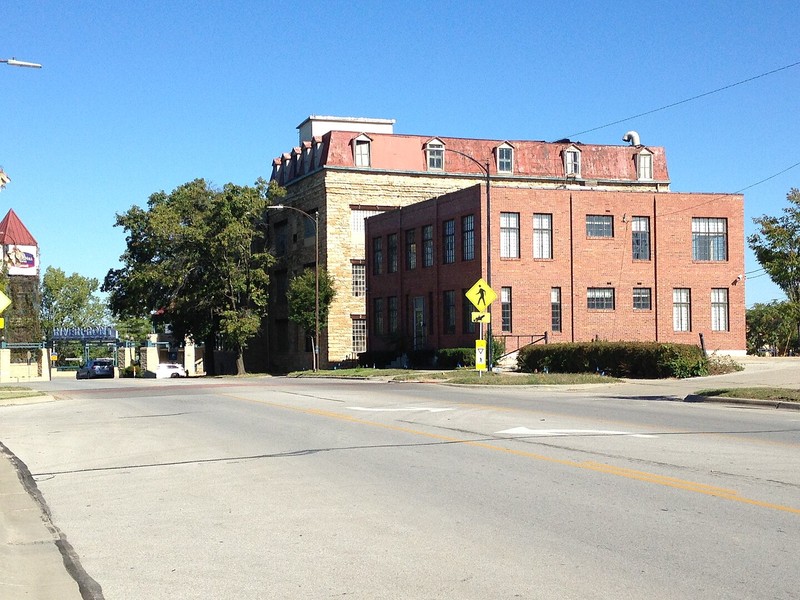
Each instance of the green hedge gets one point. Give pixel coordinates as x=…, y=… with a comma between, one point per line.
x=635, y=360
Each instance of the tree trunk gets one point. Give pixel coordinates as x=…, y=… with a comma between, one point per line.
x=240, y=370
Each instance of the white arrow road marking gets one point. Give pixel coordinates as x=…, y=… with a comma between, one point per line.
x=557, y=432
x=433, y=410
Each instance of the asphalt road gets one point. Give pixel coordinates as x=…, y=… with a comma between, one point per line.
x=283, y=488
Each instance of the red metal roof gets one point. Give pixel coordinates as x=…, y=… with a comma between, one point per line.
x=12, y=231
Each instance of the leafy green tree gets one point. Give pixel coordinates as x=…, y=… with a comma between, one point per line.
x=771, y=325
x=197, y=257
x=70, y=301
x=301, y=297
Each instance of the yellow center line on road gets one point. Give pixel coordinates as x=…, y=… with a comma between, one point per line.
x=589, y=465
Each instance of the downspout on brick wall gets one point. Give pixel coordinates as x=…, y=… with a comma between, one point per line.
x=571, y=272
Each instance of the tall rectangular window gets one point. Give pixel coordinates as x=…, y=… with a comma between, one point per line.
x=359, y=335
x=468, y=237
x=681, y=309
x=555, y=309
x=600, y=298
x=378, y=323
x=642, y=298
x=599, y=226
x=505, y=159
x=449, y=311
x=359, y=280
x=645, y=164
x=377, y=256
x=393, y=314
x=362, y=153
x=435, y=152
x=509, y=235
x=392, y=250
x=709, y=239
x=542, y=236
x=505, y=309
x=467, y=326
x=411, y=249
x=719, y=309
x=449, y=241
x=640, y=235
x=427, y=246
x=281, y=238
x=572, y=163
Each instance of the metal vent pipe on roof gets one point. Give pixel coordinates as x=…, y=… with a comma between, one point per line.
x=631, y=137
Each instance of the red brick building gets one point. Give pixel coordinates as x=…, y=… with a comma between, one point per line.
x=577, y=264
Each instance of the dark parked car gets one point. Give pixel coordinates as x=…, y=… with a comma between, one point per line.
x=94, y=369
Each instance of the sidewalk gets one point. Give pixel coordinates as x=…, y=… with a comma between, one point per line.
x=31, y=561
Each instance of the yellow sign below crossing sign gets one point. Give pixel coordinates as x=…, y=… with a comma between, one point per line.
x=481, y=295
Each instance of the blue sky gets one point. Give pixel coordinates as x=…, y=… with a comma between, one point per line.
x=138, y=97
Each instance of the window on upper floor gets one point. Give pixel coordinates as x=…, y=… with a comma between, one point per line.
x=644, y=165
x=572, y=162
x=468, y=237
x=392, y=253
x=359, y=272
x=709, y=239
x=542, y=236
x=435, y=155
x=509, y=235
x=361, y=151
x=411, y=249
x=357, y=218
x=599, y=226
x=449, y=241
x=642, y=298
x=281, y=238
x=505, y=159
x=377, y=256
x=640, y=238
x=427, y=245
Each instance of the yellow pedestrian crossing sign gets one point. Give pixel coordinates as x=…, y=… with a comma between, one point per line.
x=481, y=295
x=5, y=302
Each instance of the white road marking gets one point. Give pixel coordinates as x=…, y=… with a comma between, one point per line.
x=562, y=432
x=406, y=409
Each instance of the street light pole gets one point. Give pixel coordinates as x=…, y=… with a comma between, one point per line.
x=485, y=168
x=13, y=62
x=315, y=220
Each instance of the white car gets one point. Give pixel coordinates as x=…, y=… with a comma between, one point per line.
x=169, y=371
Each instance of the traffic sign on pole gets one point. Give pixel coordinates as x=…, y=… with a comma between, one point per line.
x=481, y=295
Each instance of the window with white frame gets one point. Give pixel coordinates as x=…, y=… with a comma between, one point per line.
x=359, y=335
x=719, y=309
x=542, y=236
x=599, y=226
x=357, y=217
x=642, y=298
x=362, y=151
x=598, y=298
x=505, y=309
x=709, y=239
x=435, y=153
x=509, y=235
x=555, y=309
x=640, y=238
x=644, y=165
x=572, y=162
x=359, y=280
x=681, y=309
x=468, y=237
x=505, y=159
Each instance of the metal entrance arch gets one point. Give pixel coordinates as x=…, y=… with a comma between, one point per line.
x=89, y=337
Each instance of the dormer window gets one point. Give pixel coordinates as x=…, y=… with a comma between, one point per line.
x=644, y=165
x=572, y=162
x=435, y=153
x=361, y=151
x=505, y=159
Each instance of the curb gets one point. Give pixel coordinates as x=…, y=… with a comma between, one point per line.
x=743, y=401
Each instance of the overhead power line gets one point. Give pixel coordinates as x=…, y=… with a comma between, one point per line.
x=684, y=101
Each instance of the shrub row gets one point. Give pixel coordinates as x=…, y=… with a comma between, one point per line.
x=446, y=358
x=635, y=360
